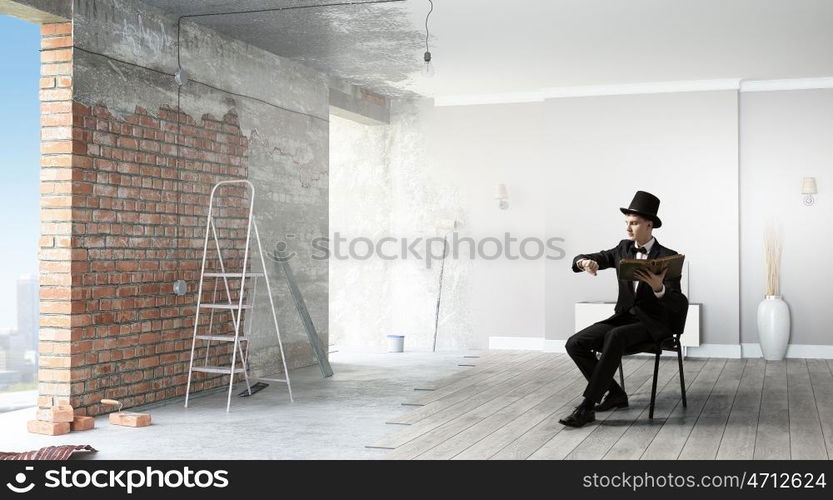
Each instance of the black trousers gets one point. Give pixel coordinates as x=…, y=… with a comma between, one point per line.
x=612, y=341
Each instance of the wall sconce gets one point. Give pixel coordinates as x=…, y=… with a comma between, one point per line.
x=502, y=195
x=808, y=189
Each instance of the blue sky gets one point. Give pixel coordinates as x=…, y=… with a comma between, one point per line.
x=19, y=161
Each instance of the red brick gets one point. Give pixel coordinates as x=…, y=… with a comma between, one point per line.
x=48, y=428
x=56, y=69
x=55, y=107
x=66, y=161
x=56, y=42
x=55, y=94
x=130, y=419
x=54, y=120
x=57, y=413
x=82, y=423
x=55, y=133
x=57, y=147
x=52, y=29
x=57, y=55
x=127, y=143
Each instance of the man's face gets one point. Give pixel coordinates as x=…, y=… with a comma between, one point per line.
x=638, y=228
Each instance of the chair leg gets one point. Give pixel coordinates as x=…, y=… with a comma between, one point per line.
x=621, y=377
x=654, y=386
x=682, y=376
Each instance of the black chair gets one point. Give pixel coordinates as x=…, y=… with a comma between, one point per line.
x=656, y=348
x=651, y=347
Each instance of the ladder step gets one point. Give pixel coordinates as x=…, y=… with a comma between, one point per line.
x=216, y=369
x=221, y=338
x=272, y=379
x=224, y=306
x=231, y=275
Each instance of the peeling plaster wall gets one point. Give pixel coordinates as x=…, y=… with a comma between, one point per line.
x=380, y=187
x=360, y=197
x=126, y=55
x=447, y=164
x=422, y=196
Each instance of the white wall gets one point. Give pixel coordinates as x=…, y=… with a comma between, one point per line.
x=785, y=136
x=359, y=206
x=680, y=147
x=569, y=164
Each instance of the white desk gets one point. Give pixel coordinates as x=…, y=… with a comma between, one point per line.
x=588, y=313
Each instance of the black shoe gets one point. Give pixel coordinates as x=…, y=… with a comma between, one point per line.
x=612, y=401
x=580, y=416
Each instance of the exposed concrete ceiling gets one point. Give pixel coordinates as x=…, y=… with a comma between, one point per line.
x=485, y=46
x=37, y=11
x=374, y=45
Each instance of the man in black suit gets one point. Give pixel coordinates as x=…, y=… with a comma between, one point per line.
x=649, y=309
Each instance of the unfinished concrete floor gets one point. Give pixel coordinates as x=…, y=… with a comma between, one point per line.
x=330, y=419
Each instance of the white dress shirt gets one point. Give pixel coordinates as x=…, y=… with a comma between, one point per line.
x=640, y=255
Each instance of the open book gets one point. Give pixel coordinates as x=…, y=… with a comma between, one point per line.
x=674, y=264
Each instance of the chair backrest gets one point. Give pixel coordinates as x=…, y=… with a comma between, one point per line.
x=683, y=320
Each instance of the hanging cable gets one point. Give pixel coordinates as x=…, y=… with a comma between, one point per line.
x=428, y=70
x=426, y=24
x=294, y=7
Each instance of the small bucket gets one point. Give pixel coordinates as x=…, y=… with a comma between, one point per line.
x=396, y=343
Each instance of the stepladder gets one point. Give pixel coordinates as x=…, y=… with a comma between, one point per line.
x=227, y=290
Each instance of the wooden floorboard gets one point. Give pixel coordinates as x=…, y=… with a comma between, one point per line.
x=492, y=370
x=430, y=423
x=633, y=443
x=566, y=441
x=480, y=364
x=421, y=444
x=527, y=444
x=467, y=438
x=608, y=432
x=806, y=438
x=704, y=439
x=466, y=392
x=822, y=380
x=563, y=393
x=772, y=438
x=674, y=432
x=738, y=440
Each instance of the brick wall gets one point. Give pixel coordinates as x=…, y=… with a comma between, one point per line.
x=62, y=164
x=123, y=216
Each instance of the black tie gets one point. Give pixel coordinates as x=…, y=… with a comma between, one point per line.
x=634, y=250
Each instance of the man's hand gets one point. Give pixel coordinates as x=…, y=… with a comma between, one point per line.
x=654, y=280
x=590, y=266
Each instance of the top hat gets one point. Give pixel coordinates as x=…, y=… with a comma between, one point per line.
x=646, y=205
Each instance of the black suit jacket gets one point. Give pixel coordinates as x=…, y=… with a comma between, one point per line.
x=663, y=317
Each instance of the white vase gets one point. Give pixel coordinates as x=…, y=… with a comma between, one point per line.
x=773, y=327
